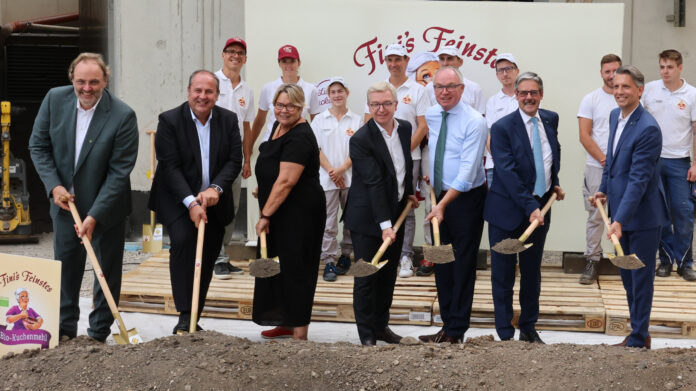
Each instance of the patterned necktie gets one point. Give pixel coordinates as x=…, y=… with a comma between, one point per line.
x=440, y=154
x=540, y=183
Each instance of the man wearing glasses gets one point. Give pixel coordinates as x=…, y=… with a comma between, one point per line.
x=525, y=148
x=380, y=188
x=238, y=97
x=502, y=103
x=457, y=139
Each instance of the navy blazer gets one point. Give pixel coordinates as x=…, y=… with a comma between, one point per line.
x=374, y=191
x=631, y=176
x=179, y=172
x=510, y=199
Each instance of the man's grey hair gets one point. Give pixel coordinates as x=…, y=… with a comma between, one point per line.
x=529, y=76
x=635, y=73
x=456, y=71
x=381, y=86
x=217, y=81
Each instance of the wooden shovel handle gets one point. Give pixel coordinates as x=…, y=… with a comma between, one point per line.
x=396, y=227
x=434, y=222
x=197, y=277
x=264, y=248
x=614, y=239
x=535, y=223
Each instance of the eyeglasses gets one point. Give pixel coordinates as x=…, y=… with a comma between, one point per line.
x=386, y=105
x=288, y=108
x=448, y=88
x=234, y=52
x=504, y=70
x=533, y=93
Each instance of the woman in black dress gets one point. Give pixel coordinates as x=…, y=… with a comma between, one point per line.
x=293, y=214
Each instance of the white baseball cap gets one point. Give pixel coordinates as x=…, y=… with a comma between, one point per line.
x=450, y=50
x=506, y=57
x=337, y=79
x=395, y=49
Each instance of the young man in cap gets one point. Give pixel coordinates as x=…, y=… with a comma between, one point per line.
x=238, y=97
x=333, y=129
x=289, y=63
x=672, y=101
x=413, y=102
x=502, y=103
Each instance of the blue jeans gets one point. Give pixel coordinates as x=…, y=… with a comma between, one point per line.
x=678, y=231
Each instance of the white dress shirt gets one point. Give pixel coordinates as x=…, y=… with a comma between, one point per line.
x=620, y=128
x=545, y=146
x=204, y=143
x=84, y=118
x=397, y=156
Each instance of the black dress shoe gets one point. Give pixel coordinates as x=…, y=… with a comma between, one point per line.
x=387, y=336
x=440, y=337
x=664, y=270
x=531, y=337
x=369, y=341
x=687, y=273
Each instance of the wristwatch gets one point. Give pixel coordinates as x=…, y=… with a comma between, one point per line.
x=216, y=188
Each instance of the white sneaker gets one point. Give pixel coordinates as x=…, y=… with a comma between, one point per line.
x=406, y=267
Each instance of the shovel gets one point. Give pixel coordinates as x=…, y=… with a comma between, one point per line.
x=628, y=262
x=124, y=337
x=264, y=267
x=152, y=233
x=364, y=269
x=437, y=253
x=197, y=277
x=514, y=246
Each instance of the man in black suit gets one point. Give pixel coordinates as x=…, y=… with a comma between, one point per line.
x=200, y=154
x=381, y=186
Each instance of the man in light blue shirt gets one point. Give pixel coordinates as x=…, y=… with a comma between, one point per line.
x=457, y=139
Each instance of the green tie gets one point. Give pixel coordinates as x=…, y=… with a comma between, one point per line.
x=440, y=154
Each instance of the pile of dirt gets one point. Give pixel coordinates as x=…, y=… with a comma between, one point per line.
x=213, y=361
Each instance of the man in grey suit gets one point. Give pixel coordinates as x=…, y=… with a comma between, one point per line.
x=84, y=145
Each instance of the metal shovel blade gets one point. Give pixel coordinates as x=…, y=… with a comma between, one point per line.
x=364, y=269
x=628, y=262
x=510, y=246
x=438, y=254
x=264, y=267
x=133, y=338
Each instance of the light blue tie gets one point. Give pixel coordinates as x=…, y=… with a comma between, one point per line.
x=540, y=183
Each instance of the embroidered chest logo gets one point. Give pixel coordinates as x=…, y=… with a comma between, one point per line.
x=681, y=105
x=407, y=99
x=242, y=102
x=349, y=132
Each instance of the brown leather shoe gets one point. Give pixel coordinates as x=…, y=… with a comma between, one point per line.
x=625, y=342
x=440, y=337
x=387, y=336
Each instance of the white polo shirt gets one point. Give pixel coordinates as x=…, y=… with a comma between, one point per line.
x=239, y=100
x=674, y=112
x=596, y=106
x=266, y=101
x=333, y=137
x=413, y=101
x=472, y=95
x=497, y=107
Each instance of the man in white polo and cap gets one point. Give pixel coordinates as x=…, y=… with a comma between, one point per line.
x=333, y=128
x=502, y=103
x=449, y=56
x=413, y=102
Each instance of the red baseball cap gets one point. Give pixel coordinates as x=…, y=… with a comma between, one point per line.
x=288, y=51
x=234, y=40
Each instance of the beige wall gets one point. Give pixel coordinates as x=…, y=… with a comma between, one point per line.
x=16, y=10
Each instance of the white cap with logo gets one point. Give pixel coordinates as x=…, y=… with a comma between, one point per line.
x=506, y=57
x=395, y=49
x=337, y=79
x=450, y=50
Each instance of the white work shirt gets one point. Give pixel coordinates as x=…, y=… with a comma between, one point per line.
x=413, y=102
x=620, y=128
x=204, y=143
x=333, y=138
x=497, y=107
x=472, y=95
x=239, y=100
x=266, y=101
x=397, y=156
x=675, y=112
x=84, y=118
x=596, y=106
x=545, y=146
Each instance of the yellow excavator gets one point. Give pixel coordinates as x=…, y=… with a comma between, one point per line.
x=15, y=224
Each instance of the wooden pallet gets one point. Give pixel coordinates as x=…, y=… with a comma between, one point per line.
x=673, y=311
x=564, y=304
x=148, y=289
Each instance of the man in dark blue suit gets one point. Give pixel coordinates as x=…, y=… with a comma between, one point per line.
x=527, y=156
x=631, y=182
